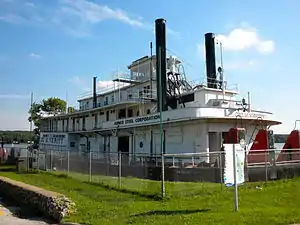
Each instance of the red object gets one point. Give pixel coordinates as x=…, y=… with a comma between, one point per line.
x=258, y=151
x=3, y=154
x=234, y=136
x=291, y=148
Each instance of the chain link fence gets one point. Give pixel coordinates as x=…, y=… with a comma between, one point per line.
x=135, y=172
x=149, y=174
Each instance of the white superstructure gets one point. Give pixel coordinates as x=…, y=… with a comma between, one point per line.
x=126, y=118
x=127, y=115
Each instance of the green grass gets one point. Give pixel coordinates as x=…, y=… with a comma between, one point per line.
x=188, y=203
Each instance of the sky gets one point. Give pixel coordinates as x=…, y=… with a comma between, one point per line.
x=54, y=48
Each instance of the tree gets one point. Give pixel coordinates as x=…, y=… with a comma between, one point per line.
x=50, y=106
x=71, y=109
x=35, y=112
x=18, y=135
x=54, y=106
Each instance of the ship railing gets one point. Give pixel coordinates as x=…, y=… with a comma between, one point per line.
x=104, y=87
x=273, y=157
x=202, y=82
x=131, y=76
x=138, y=96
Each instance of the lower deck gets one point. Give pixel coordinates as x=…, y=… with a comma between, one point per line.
x=196, y=136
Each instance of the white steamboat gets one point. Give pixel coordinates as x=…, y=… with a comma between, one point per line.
x=155, y=94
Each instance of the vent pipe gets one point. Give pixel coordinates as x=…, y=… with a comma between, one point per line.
x=210, y=60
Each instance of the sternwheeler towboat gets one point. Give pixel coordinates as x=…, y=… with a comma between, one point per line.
x=126, y=116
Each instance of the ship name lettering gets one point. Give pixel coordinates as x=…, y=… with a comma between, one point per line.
x=137, y=120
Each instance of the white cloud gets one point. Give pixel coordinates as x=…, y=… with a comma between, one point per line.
x=240, y=39
x=14, y=96
x=35, y=55
x=14, y=120
x=29, y=4
x=12, y=18
x=76, y=80
x=201, y=50
x=240, y=65
x=103, y=85
x=76, y=17
x=81, y=83
x=92, y=13
x=173, y=32
x=266, y=47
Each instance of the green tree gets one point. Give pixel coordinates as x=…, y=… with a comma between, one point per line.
x=71, y=109
x=49, y=106
x=35, y=112
x=18, y=135
x=54, y=106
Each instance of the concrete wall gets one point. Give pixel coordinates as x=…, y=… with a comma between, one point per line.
x=49, y=203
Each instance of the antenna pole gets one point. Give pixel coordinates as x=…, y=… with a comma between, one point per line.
x=221, y=58
x=249, y=102
x=221, y=53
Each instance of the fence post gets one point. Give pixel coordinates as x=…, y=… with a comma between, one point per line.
x=266, y=165
x=162, y=176
x=51, y=160
x=90, y=167
x=120, y=168
x=38, y=159
x=61, y=160
x=68, y=162
x=221, y=169
x=46, y=159
x=27, y=161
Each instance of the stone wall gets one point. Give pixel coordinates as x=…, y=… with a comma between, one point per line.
x=50, y=204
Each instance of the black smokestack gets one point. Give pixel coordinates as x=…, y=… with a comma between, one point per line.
x=95, y=92
x=160, y=34
x=210, y=60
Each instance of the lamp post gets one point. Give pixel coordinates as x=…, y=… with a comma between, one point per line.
x=161, y=130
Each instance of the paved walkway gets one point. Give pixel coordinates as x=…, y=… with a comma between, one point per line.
x=7, y=217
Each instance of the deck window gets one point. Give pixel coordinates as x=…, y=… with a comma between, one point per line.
x=107, y=115
x=130, y=113
x=83, y=123
x=96, y=120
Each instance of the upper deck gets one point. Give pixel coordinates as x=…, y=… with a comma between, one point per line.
x=132, y=96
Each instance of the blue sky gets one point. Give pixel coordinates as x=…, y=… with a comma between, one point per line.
x=56, y=46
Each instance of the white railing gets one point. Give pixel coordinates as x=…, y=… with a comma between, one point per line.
x=105, y=87
x=130, y=96
x=154, y=109
x=203, y=82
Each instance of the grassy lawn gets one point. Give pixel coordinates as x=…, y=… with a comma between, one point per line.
x=188, y=203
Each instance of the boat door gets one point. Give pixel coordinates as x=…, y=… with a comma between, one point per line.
x=123, y=147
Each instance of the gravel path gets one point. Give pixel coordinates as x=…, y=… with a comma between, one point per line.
x=7, y=217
